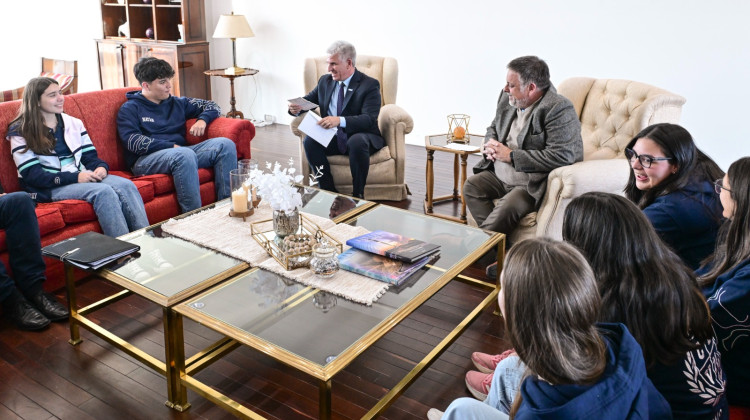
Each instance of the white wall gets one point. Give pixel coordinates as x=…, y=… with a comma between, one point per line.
x=452, y=55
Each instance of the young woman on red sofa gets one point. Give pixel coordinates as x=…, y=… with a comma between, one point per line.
x=726, y=281
x=57, y=161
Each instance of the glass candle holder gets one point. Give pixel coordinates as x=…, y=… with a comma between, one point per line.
x=324, y=262
x=241, y=199
x=247, y=164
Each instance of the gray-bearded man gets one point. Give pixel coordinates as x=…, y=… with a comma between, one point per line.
x=535, y=130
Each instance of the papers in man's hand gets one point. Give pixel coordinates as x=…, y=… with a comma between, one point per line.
x=304, y=104
x=309, y=126
x=462, y=147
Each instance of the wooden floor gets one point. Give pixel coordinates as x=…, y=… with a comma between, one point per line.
x=44, y=377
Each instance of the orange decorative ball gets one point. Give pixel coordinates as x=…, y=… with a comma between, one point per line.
x=459, y=132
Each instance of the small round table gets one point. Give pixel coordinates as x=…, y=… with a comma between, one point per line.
x=220, y=73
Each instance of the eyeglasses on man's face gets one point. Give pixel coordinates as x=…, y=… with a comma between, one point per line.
x=644, y=160
x=719, y=185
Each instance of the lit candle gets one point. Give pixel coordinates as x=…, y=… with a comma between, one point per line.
x=239, y=200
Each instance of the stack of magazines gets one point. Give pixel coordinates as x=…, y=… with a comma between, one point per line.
x=387, y=256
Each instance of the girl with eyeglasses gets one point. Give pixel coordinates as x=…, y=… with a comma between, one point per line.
x=575, y=368
x=671, y=181
x=725, y=279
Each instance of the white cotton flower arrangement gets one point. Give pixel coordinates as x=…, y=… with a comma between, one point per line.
x=277, y=186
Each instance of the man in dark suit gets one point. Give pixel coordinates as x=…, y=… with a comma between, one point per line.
x=350, y=100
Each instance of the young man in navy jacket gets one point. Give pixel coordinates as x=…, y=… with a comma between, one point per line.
x=151, y=125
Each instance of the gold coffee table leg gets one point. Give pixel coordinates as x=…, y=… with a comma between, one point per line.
x=324, y=390
x=75, y=335
x=175, y=360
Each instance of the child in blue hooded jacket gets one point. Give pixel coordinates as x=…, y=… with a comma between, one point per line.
x=575, y=369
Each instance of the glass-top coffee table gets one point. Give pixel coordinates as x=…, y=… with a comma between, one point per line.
x=320, y=334
x=168, y=270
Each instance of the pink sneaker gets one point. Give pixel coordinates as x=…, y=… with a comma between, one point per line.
x=478, y=384
x=486, y=363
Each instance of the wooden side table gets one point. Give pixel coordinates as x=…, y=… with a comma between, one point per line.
x=440, y=142
x=220, y=73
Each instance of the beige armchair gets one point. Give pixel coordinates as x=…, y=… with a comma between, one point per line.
x=612, y=112
x=385, y=180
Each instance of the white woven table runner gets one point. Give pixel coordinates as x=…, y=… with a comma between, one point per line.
x=214, y=229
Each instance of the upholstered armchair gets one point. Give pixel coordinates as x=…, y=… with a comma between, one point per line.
x=385, y=180
x=612, y=112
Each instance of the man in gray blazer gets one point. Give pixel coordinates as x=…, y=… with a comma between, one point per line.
x=535, y=130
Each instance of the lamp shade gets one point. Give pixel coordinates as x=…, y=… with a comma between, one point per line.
x=233, y=26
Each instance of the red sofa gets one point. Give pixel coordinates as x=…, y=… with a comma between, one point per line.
x=98, y=111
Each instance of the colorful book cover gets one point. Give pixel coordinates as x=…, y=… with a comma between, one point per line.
x=379, y=267
x=393, y=246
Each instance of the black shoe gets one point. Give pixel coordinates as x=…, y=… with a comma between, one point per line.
x=491, y=271
x=25, y=316
x=49, y=306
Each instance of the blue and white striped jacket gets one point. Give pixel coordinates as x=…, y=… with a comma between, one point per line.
x=39, y=174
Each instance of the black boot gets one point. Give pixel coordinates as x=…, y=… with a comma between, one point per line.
x=21, y=313
x=49, y=306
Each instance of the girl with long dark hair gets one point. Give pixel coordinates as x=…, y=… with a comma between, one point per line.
x=725, y=279
x=671, y=181
x=575, y=368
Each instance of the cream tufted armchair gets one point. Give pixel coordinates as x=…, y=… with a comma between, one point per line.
x=612, y=112
x=386, y=178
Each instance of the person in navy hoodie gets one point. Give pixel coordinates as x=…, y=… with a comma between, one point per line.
x=575, y=368
x=151, y=125
x=646, y=286
x=671, y=181
x=725, y=279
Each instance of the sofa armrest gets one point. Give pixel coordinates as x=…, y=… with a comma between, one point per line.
x=240, y=131
x=394, y=124
x=567, y=182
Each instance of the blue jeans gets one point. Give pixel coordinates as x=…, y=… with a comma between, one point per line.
x=183, y=163
x=506, y=381
x=471, y=409
x=116, y=201
x=18, y=219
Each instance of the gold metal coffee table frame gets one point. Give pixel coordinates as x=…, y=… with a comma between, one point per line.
x=235, y=337
x=176, y=394
x=172, y=322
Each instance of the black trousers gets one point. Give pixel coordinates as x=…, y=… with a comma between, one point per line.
x=18, y=219
x=359, y=147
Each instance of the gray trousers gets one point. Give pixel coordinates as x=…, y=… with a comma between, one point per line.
x=479, y=192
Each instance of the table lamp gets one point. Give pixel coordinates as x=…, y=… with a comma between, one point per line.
x=233, y=27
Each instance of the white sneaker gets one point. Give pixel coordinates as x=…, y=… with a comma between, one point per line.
x=134, y=271
x=434, y=414
x=158, y=260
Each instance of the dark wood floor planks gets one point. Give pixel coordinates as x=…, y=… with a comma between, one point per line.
x=44, y=377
